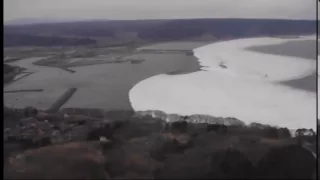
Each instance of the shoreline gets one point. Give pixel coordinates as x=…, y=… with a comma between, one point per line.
x=120, y=115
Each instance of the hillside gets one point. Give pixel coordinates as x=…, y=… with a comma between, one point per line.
x=127, y=145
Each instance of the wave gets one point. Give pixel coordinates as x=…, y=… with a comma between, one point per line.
x=236, y=83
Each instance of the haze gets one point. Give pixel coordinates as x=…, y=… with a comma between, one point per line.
x=155, y=9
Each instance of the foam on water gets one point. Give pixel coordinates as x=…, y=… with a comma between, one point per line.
x=247, y=88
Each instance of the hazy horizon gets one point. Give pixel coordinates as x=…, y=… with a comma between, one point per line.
x=152, y=9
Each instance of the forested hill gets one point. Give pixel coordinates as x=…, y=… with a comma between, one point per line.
x=151, y=30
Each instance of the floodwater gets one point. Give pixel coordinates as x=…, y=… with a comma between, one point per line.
x=99, y=86
x=107, y=85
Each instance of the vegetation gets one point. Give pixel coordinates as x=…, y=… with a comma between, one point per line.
x=10, y=39
x=149, y=30
x=127, y=145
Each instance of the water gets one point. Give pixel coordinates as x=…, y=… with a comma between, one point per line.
x=301, y=48
x=242, y=89
x=99, y=86
x=174, y=83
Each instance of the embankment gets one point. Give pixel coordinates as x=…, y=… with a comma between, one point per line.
x=62, y=99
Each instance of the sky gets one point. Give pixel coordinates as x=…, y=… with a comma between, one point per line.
x=158, y=9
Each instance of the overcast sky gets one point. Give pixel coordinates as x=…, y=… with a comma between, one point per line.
x=159, y=9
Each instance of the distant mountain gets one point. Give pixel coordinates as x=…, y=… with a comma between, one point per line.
x=10, y=40
x=29, y=21
x=163, y=30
